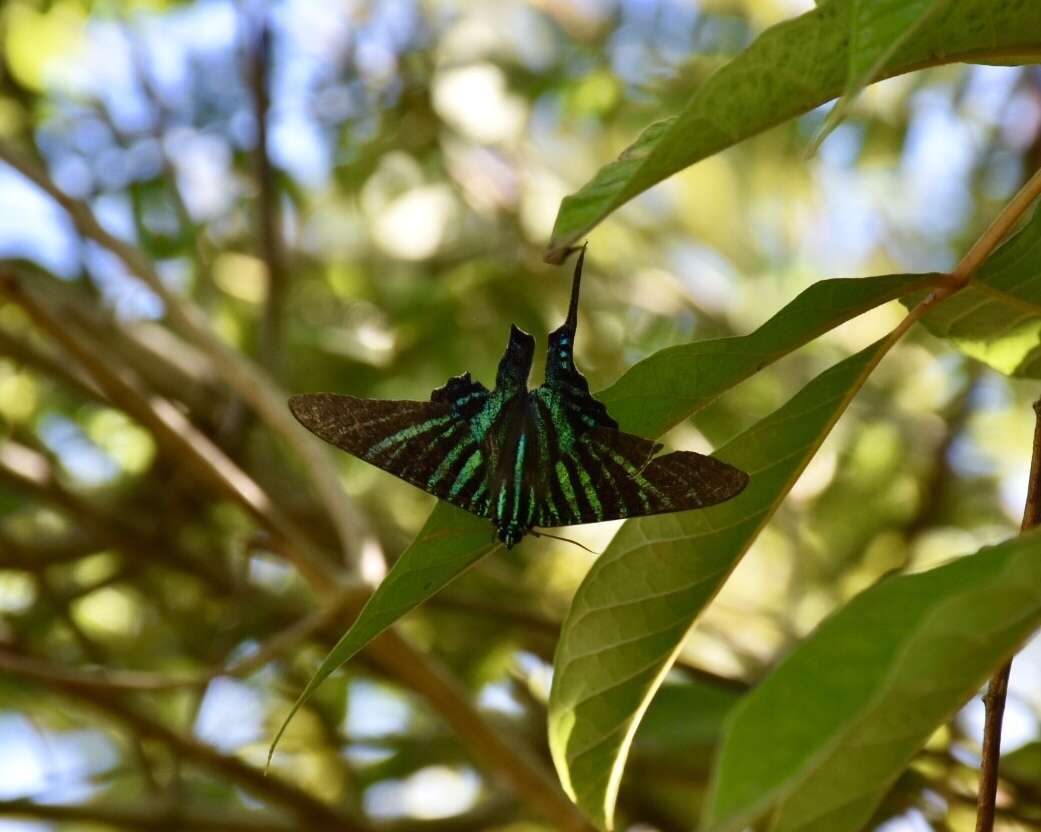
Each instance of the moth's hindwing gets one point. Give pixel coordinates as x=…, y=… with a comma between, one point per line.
x=610, y=475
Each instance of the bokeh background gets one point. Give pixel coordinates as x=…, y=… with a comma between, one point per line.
x=153, y=633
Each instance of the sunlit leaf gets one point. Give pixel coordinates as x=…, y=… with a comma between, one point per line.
x=877, y=30
x=665, y=388
x=449, y=543
x=685, y=715
x=650, y=398
x=790, y=69
x=997, y=317
x=633, y=611
x=821, y=739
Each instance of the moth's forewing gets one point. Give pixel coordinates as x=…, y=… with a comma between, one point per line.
x=423, y=443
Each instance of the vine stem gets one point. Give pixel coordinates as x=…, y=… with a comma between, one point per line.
x=997, y=689
x=957, y=280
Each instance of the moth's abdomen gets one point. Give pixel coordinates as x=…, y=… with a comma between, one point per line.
x=519, y=450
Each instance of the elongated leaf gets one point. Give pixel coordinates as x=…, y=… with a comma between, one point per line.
x=821, y=739
x=450, y=542
x=685, y=716
x=790, y=69
x=665, y=388
x=651, y=397
x=997, y=317
x=877, y=29
x=636, y=606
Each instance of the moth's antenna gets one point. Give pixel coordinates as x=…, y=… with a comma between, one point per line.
x=534, y=533
x=576, y=283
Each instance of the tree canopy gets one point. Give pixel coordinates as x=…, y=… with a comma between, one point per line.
x=812, y=251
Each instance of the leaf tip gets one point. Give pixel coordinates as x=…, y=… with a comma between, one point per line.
x=285, y=724
x=556, y=252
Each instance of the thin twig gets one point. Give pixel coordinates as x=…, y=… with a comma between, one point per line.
x=311, y=812
x=172, y=429
x=168, y=363
x=130, y=680
x=29, y=471
x=515, y=764
x=268, y=224
x=997, y=689
x=165, y=815
x=48, y=365
x=238, y=372
x=153, y=817
x=42, y=554
x=999, y=228
x=524, y=773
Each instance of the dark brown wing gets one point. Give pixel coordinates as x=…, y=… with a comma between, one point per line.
x=610, y=475
x=425, y=443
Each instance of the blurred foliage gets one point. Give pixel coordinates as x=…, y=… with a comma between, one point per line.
x=421, y=151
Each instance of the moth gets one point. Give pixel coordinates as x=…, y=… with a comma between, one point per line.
x=522, y=458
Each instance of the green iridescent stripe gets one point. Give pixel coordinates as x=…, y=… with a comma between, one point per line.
x=406, y=434
x=564, y=478
x=558, y=415
x=484, y=419
x=447, y=463
x=469, y=397
x=476, y=502
x=541, y=437
x=548, y=511
x=502, y=502
x=518, y=473
x=589, y=489
x=605, y=472
x=416, y=453
x=470, y=467
x=635, y=476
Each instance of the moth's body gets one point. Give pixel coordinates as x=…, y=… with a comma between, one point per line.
x=523, y=485
x=521, y=458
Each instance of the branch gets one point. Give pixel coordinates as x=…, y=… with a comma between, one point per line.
x=168, y=363
x=997, y=689
x=521, y=770
x=48, y=365
x=171, y=429
x=30, y=471
x=248, y=381
x=130, y=680
x=160, y=817
x=311, y=812
x=528, y=777
x=268, y=225
x=42, y=554
x=515, y=764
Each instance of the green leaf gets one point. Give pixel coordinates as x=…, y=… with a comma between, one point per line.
x=790, y=69
x=997, y=317
x=821, y=739
x=667, y=387
x=651, y=397
x=636, y=606
x=450, y=542
x=877, y=29
x=685, y=715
